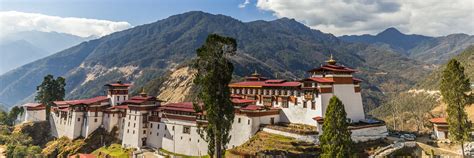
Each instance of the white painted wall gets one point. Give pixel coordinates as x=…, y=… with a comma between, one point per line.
x=352, y=101
x=34, y=115
x=133, y=129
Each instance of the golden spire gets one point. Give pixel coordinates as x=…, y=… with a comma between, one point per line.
x=143, y=93
x=255, y=73
x=331, y=61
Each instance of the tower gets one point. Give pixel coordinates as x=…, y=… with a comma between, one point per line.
x=117, y=92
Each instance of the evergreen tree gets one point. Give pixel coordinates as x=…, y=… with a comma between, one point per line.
x=336, y=138
x=454, y=89
x=212, y=79
x=50, y=90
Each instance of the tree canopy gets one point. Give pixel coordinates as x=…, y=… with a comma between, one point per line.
x=50, y=90
x=454, y=89
x=336, y=138
x=212, y=79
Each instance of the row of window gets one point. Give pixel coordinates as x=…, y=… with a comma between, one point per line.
x=266, y=92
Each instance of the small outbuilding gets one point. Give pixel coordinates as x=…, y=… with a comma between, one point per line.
x=34, y=112
x=440, y=128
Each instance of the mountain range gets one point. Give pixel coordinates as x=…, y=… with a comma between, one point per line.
x=432, y=50
x=282, y=48
x=20, y=48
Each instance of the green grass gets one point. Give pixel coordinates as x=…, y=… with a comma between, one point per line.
x=263, y=141
x=114, y=150
x=181, y=155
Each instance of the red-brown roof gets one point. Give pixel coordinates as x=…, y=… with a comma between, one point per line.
x=283, y=84
x=32, y=105
x=82, y=101
x=247, y=84
x=335, y=68
x=356, y=80
x=119, y=85
x=274, y=81
x=236, y=96
x=252, y=107
x=183, y=106
x=439, y=120
x=243, y=101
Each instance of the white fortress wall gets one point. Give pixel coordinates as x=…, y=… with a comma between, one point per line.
x=352, y=101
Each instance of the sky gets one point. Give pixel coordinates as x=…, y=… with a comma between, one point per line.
x=340, y=17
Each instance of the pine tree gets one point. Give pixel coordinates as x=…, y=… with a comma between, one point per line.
x=336, y=138
x=50, y=90
x=454, y=89
x=212, y=79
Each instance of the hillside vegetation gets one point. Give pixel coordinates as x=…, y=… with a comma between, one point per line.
x=466, y=58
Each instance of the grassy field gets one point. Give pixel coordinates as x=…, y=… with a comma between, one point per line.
x=266, y=143
x=114, y=150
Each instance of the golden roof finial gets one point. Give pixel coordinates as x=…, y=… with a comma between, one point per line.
x=331, y=61
x=255, y=73
x=143, y=92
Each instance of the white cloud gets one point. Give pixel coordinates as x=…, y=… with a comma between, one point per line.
x=13, y=21
x=427, y=17
x=243, y=5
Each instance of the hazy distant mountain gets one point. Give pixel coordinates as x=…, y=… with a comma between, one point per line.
x=23, y=47
x=440, y=49
x=432, y=50
x=391, y=36
x=283, y=48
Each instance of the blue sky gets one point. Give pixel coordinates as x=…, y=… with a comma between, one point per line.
x=339, y=17
x=135, y=12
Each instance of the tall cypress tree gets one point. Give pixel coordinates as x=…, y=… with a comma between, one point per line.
x=454, y=89
x=336, y=138
x=50, y=90
x=212, y=79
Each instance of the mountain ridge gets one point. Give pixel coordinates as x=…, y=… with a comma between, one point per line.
x=282, y=47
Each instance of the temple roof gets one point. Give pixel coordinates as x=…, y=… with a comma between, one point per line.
x=333, y=68
x=82, y=101
x=439, y=120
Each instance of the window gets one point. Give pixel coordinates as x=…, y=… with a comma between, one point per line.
x=117, y=97
x=248, y=122
x=133, y=124
x=166, y=127
x=173, y=128
x=284, y=102
x=151, y=125
x=135, y=118
x=108, y=115
x=158, y=126
x=124, y=98
x=187, y=130
x=313, y=105
x=304, y=104
x=150, y=132
x=95, y=120
x=128, y=124
x=78, y=119
x=144, y=132
x=238, y=120
x=128, y=131
x=157, y=133
x=129, y=117
x=133, y=131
